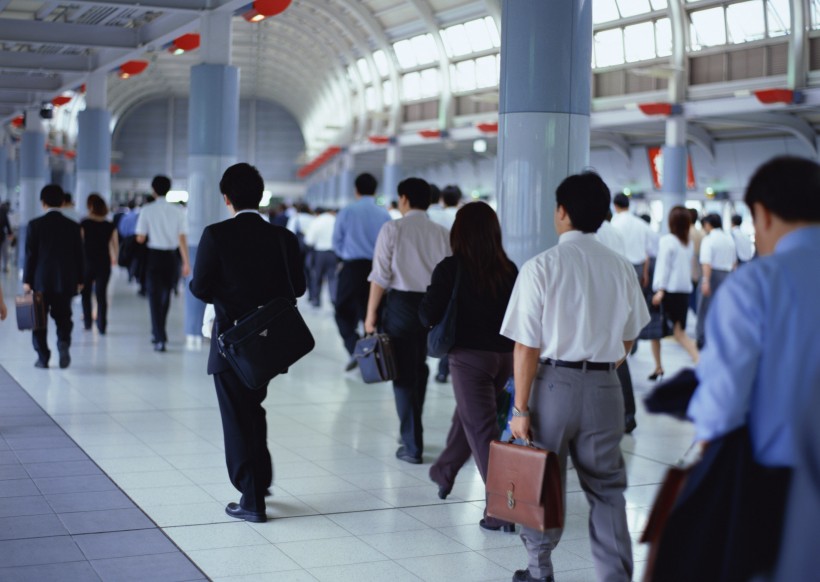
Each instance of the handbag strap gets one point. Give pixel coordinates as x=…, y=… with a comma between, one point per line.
x=287, y=270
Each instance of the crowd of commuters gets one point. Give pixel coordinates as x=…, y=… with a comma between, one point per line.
x=550, y=326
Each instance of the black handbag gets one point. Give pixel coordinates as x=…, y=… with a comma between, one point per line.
x=442, y=336
x=31, y=311
x=267, y=341
x=377, y=362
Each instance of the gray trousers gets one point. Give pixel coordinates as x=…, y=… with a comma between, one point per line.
x=581, y=413
x=715, y=281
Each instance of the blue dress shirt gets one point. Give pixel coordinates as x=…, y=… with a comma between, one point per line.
x=357, y=227
x=762, y=357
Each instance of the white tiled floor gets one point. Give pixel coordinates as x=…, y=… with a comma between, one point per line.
x=343, y=507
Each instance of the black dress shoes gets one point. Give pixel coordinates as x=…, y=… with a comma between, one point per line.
x=352, y=364
x=65, y=359
x=443, y=490
x=630, y=425
x=506, y=528
x=159, y=347
x=40, y=363
x=524, y=576
x=403, y=455
x=236, y=510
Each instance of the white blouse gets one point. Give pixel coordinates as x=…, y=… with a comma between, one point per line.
x=673, y=268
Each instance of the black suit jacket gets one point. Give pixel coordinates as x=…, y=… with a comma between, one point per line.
x=54, y=254
x=240, y=266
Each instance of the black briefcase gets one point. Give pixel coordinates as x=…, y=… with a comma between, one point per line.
x=376, y=359
x=31, y=311
x=266, y=342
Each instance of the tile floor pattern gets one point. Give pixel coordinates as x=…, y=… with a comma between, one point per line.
x=344, y=508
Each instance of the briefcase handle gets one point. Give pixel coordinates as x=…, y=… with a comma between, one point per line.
x=527, y=442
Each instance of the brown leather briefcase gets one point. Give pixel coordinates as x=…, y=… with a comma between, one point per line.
x=524, y=486
x=31, y=311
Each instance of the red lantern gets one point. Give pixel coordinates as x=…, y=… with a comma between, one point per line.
x=379, y=139
x=771, y=96
x=131, y=68
x=430, y=133
x=18, y=121
x=655, y=108
x=488, y=127
x=187, y=42
x=60, y=100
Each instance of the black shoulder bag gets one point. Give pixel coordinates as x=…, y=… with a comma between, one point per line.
x=267, y=341
x=442, y=336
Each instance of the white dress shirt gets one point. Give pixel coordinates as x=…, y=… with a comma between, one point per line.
x=743, y=244
x=578, y=301
x=636, y=234
x=162, y=223
x=407, y=251
x=319, y=234
x=299, y=222
x=445, y=216
x=718, y=250
x=673, y=268
x=611, y=238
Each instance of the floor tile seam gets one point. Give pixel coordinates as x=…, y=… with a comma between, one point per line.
x=645, y=458
x=467, y=549
x=136, y=506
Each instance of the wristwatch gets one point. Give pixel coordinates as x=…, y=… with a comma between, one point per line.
x=516, y=412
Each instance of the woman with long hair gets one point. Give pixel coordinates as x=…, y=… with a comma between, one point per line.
x=101, y=250
x=481, y=360
x=672, y=283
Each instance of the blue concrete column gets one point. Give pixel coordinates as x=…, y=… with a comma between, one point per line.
x=346, y=179
x=544, y=106
x=33, y=174
x=13, y=178
x=392, y=175
x=4, y=156
x=94, y=142
x=213, y=142
x=675, y=155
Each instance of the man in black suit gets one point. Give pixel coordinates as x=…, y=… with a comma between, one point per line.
x=242, y=263
x=54, y=266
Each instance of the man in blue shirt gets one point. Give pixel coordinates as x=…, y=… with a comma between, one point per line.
x=354, y=238
x=762, y=360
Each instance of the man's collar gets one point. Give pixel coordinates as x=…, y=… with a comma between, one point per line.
x=247, y=211
x=571, y=235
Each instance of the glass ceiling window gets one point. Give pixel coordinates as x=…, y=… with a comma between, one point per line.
x=364, y=70
x=604, y=11
x=609, y=48
x=746, y=21
x=708, y=28
x=633, y=7
x=419, y=50
x=474, y=36
x=381, y=62
x=663, y=37
x=387, y=93
x=778, y=17
x=639, y=42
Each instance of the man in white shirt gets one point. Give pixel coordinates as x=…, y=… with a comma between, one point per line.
x=319, y=238
x=718, y=257
x=446, y=215
x=743, y=244
x=163, y=227
x=407, y=251
x=574, y=313
x=636, y=234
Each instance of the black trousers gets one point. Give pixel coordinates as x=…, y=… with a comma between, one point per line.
x=59, y=305
x=96, y=282
x=409, y=337
x=322, y=266
x=161, y=275
x=246, y=439
x=351, y=299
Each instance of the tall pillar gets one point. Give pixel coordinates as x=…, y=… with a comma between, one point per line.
x=346, y=179
x=673, y=180
x=392, y=174
x=544, y=104
x=4, y=156
x=13, y=178
x=94, y=141
x=32, y=174
x=213, y=136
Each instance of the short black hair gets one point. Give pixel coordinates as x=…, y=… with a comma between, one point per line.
x=52, y=196
x=737, y=220
x=417, y=192
x=585, y=197
x=243, y=186
x=161, y=185
x=713, y=220
x=366, y=184
x=788, y=187
x=693, y=215
x=451, y=195
x=621, y=200
x=68, y=198
x=646, y=218
x=435, y=194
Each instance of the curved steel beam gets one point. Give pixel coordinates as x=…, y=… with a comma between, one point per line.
x=677, y=20
x=699, y=136
x=613, y=141
x=798, y=67
x=446, y=108
x=370, y=23
x=785, y=122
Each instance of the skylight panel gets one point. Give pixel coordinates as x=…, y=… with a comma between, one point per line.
x=405, y=54
x=456, y=41
x=493, y=29
x=663, y=37
x=381, y=63
x=486, y=71
x=364, y=70
x=604, y=11
x=411, y=86
x=429, y=83
x=425, y=49
x=478, y=34
x=778, y=17
x=609, y=48
x=633, y=7
x=708, y=28
x=639, y=42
